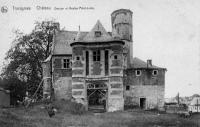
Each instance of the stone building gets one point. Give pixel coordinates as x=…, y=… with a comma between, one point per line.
x=98, y=68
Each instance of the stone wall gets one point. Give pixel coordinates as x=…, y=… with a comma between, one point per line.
x=115, y=91
x=154, y=96
x=146, y=77
x=145, y=86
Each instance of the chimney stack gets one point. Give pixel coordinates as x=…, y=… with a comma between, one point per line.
x=149, y=63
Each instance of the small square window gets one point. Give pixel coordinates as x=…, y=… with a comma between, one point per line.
x=97, y=33
x=77, y=58
x=127, y=87
x=155, y=72
x=115, y=57
x=138, y=72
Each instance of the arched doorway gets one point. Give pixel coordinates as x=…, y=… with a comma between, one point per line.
x=97, y=97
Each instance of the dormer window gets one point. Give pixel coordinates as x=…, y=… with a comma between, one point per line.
x=155, y=72
x=138, y=72
x=97, y=33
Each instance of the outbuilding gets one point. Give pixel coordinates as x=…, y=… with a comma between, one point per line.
x=4, y=98
x=194, y=105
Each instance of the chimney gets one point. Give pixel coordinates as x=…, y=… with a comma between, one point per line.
x=57, y=26
x=149, y=63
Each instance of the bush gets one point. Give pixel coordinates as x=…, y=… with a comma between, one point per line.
x=69, y=106
x=77, y=108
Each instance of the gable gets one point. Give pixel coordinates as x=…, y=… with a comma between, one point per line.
x=97, y=34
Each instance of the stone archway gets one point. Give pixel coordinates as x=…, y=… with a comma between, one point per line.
x=97, y=97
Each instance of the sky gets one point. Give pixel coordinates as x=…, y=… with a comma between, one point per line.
x=166, y=31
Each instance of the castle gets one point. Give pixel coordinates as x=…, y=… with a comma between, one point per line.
x=98, y=68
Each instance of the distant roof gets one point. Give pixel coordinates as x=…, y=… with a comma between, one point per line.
x=138, y=63
x=195, y=101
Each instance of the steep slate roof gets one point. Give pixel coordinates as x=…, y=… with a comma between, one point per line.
x=105, y=36
x=62, y=41
x=138, y=63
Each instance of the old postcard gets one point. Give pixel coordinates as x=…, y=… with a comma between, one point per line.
x=86, y=63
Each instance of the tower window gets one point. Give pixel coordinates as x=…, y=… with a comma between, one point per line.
x=96, y=55
x=78, y=58
x=155, y=72
x=97, y=33
x=138, y=72
x=127, y=87
x=115, y=57
x=66, y=63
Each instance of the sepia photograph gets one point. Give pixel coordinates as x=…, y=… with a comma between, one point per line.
x=99, y=63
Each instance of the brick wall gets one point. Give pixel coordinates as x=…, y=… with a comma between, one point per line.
x=62, y=81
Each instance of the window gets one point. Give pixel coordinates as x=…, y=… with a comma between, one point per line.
x=77, y=58
x=106, y=62
x=127, y=87
x=66, y=63
x=138, y=72
x=96, y=55
x=87, y=62
x=155, y=72
x=97, y=33
x=115, y=57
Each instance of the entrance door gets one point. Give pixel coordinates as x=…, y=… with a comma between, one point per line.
x=142, y=103
x=97, y=96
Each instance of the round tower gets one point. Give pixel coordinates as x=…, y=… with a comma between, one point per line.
x=122, y=28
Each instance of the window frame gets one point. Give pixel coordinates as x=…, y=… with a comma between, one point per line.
x=127, y=87
x=155, y=71
x=66, y=63
x=137, y=73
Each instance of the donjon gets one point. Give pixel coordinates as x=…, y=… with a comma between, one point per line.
x=97, y=68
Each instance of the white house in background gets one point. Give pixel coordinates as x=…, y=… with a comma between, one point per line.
x=194, y=105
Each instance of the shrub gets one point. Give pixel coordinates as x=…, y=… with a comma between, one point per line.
x=69, y=106
x=77, y=108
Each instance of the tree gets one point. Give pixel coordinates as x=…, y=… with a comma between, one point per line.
x=26, y=55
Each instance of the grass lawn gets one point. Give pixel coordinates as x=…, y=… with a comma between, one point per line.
x=38, y=117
